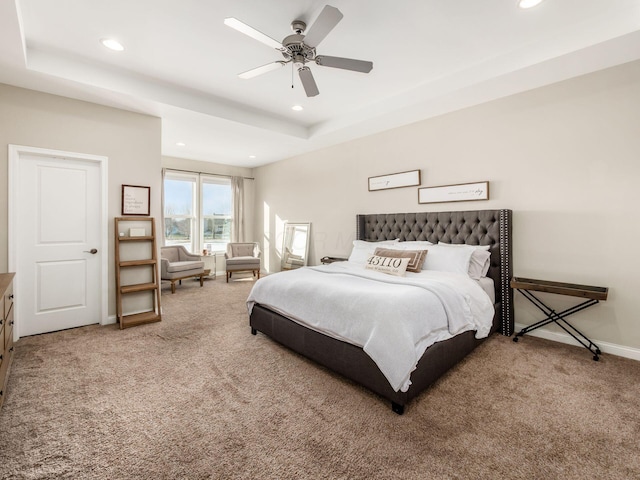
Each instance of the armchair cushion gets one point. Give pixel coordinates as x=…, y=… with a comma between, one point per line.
x=169, y=268
x=243, y=263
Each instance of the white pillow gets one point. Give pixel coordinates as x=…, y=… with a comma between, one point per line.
x=415, y=244
x=447, y=259
x=362, y=250
x=480, y=259
x=392, y=266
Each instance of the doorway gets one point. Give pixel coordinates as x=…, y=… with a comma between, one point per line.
x=57, y=239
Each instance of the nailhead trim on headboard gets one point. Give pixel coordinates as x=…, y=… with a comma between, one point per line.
x=506, y=272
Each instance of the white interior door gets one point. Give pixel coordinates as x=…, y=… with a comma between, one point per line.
x=59, y=243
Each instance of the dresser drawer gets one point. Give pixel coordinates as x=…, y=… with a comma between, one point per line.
x=2, y=337
x=8, y=329
x=8, y=300
x=6, y=361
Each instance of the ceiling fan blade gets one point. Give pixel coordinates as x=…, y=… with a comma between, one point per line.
x=252, y=32
x=260, y=70
x=344, y=63
x=326, y=21
x=309, y=84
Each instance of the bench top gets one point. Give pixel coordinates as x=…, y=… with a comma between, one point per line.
x=560, y=288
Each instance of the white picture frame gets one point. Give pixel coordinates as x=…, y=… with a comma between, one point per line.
x=395, y=180
x=462, y=192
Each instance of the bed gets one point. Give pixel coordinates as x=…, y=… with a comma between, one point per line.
x=490, y=228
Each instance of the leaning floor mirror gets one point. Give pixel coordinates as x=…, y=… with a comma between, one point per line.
x=295, y=245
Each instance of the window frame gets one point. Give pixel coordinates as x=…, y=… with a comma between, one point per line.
x=197, y=243
x=216, y=180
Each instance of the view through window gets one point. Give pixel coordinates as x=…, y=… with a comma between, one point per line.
x=197, y=211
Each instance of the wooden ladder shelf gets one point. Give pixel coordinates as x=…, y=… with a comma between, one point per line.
x=137, y=255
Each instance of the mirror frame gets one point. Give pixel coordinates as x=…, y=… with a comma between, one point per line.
x=291, y=226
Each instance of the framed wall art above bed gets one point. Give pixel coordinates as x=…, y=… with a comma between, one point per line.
x=395, y=180
x=454, y=193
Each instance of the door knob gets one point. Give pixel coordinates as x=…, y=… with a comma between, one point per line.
x=93, y=251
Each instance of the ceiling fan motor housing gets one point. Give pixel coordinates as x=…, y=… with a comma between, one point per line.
x=294, y=48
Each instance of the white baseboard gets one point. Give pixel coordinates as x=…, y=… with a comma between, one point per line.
x=111, y=319
x=612, y=348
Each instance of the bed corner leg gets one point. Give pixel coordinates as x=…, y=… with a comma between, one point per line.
x=253, y=331
x=397, y=408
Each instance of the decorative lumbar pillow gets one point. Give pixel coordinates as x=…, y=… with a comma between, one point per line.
x=416, y=257
x=392, y=266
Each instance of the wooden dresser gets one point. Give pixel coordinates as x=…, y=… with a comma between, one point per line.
x=6, y=330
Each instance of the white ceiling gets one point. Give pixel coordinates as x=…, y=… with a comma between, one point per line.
x=181, y=63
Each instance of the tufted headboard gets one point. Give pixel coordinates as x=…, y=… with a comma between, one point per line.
x=474, y=227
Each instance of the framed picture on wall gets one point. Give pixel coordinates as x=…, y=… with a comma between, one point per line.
x=135, y=200
x=454, y=193
x=394, y=180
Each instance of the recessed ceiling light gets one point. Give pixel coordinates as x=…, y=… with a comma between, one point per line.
x=252, y=156
x=528, y=3
x=181, y=144
x=112, y=44
x=297, y=108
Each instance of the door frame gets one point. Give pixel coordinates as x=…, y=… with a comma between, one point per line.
x=15, y=153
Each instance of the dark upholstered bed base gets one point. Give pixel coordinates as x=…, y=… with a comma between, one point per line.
x=479, y=227
x=353, y=363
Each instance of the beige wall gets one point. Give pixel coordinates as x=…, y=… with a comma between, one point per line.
x=131, y=142
x=564, y=158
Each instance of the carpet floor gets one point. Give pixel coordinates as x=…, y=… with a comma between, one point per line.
x=196, y=396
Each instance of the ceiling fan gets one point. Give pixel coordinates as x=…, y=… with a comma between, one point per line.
x=300, y=48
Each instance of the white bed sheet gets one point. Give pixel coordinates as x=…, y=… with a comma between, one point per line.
x=393, y=319
x=486, y=283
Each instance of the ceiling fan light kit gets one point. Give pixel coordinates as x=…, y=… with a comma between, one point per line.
x=299, y=49
x=112, y=44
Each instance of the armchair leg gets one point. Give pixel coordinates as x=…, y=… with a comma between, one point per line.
x=201, y=279
x=173, y=286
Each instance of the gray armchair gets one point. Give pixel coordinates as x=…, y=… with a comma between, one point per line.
x=176, y=263
x=242, y=257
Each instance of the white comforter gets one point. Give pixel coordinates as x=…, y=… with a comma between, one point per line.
x=393, y=319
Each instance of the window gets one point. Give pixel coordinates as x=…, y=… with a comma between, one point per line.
x=216, y=213
x=197, y=211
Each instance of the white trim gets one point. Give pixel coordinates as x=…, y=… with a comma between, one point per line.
x=14, y=156
x=605, y=347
